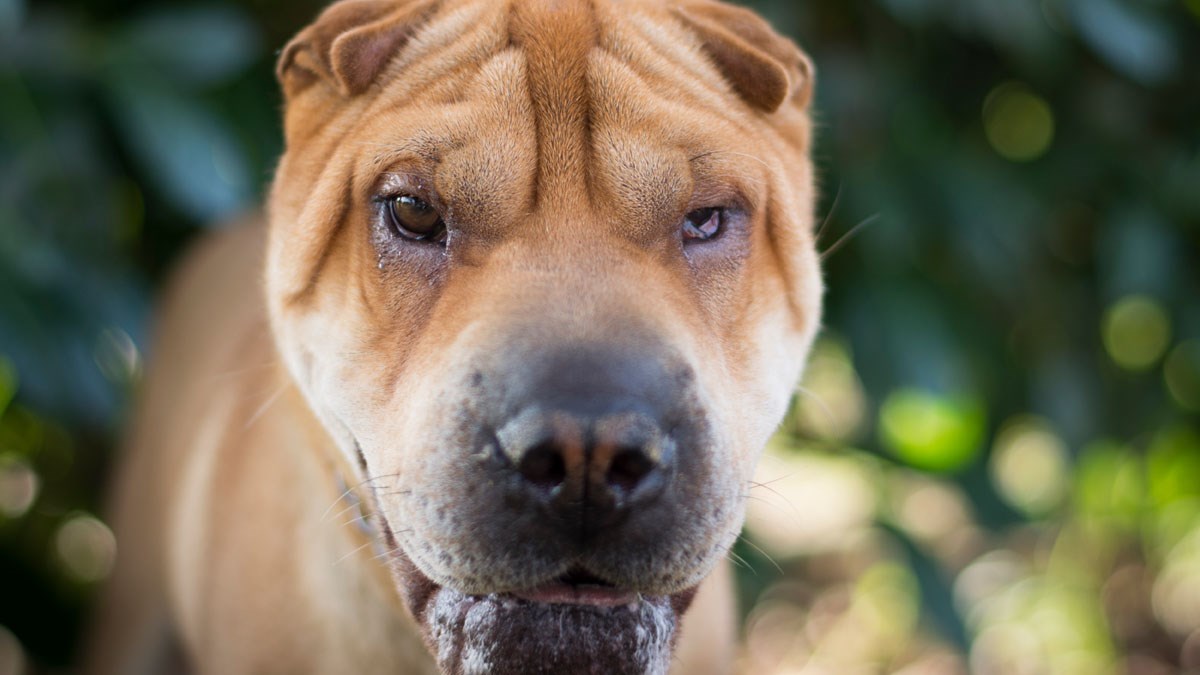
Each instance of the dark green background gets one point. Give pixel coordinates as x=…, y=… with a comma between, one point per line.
x=1027, y=178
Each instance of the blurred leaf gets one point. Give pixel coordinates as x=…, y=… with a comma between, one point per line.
x=1138, y=253
x=914, y=12
x=200, y=45
x=1182, y=176
x=1132, y=41
x=991, y=222
x=8, y=383
x=11, y=14
x=1016, y=26
x=187, y=152
x=937, y=595
x=50, y=48
x=52, y=331
x=1066, y=390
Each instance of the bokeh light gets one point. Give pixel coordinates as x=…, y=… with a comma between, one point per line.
x=887, y=595
x=1030, y=465
x=117, y=356
x=1182, y=374
x=1019, y=124
x=1189, y=654
x=1177, y=588
x=928, y=509
x=86, y=548
x=1110, y=485
x=19, y=485
x=1042, y=625
x=808, y=502
x=12, y=657
x=984, y=578
x=1136, y=332
x=1173, y=466
x=932, y=432
x=831, y=404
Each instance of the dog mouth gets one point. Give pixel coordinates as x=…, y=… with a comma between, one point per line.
x=581, y=588
x=559, y=628
x=574, y=624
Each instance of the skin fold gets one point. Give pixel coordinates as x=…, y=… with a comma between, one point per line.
x=523, y=443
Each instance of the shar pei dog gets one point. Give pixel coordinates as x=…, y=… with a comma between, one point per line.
x=484, y=389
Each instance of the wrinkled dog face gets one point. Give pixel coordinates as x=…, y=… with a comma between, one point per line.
x=544, y=269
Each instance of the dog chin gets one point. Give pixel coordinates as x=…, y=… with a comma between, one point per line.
x=502, y=634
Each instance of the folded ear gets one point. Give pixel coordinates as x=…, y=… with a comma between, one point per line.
x=765, y=68
x=349, y=44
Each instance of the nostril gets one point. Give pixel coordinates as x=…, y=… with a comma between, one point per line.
x=543, y=466
x=629, y=467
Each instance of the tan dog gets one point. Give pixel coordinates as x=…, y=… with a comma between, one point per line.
x=539, y=282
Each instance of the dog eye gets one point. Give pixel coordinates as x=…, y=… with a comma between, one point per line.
x=702, y=224
x=413, y=218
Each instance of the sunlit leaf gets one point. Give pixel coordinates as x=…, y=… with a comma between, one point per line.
x=1173, y=465
x=932, y=432
x=1110, y=484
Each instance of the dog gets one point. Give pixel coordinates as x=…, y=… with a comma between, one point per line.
x=484, y=389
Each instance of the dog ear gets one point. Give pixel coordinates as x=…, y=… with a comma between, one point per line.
x=349, y=44
x=765, y=68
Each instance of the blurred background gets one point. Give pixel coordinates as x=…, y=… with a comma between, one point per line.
x=994, y=463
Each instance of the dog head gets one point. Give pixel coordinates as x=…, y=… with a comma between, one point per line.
x=545, y=270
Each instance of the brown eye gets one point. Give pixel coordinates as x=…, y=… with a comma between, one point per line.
x=702, y=224
x=413, y=218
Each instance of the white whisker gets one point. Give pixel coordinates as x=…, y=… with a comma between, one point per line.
x=846, y=237
x=372, y=542
x=262, y=410
x=837, y=198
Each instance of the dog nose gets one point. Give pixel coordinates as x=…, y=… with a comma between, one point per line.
x=590, y=441
x=587, y=471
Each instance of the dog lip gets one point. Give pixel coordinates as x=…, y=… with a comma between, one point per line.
x=591, y=595
x=578, y=587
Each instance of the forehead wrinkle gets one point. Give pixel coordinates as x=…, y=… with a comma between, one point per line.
x=634, y=125
x=643, y=183
x=632, y=100
x=443, y=127
x=479, y=187
x=451, y=42
x=669, y=61
x=556, y=37
x=490, y=158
